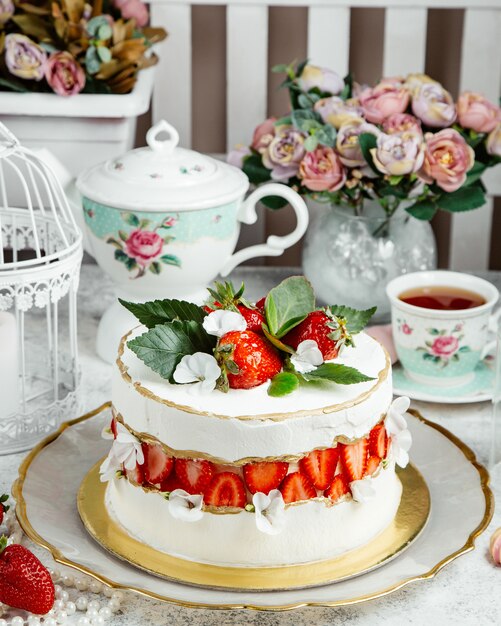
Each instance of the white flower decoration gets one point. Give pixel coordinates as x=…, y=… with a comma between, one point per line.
x=126, y=449
x=106, y=432
x=307, y=357
x=184, y=506
x=220, y=322
x=396, y=427
x=270, y=512
x=109, y=467
x=362, y=490
x=199, y=368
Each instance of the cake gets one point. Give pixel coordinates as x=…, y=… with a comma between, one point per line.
x=211, y=463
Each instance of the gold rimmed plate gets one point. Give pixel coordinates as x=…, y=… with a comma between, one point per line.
x=50, y=477
x=410, y=520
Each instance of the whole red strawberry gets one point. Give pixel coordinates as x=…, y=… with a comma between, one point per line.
x=24, y=582
x=253, y=317
x=248, y=359
x=319, y=327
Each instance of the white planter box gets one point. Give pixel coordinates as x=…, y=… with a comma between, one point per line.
x=80, y=130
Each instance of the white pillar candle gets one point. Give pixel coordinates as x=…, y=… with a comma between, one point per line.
x=9, y=389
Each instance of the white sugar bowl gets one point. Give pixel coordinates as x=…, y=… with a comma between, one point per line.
x=163, y=222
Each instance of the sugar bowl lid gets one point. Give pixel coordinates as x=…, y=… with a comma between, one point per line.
x=163, y=176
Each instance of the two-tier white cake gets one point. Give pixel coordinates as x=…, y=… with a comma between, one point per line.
x=340, y=443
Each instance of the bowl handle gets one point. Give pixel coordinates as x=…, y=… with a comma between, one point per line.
x=274, y=245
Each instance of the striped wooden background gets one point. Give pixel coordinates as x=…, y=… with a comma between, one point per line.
x=214, y=81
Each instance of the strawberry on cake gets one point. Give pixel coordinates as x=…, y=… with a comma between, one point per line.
x=254, y=434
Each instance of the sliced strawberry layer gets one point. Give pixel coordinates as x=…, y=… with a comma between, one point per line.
x=170, y=483
x=194, y=475
x=136, y=475
x=319, y=466
x=157, y=463
x=226, y=489
x=372, y=464
x=338, y=488
x=354, y=459
x=378, y=441
x=264, y=476
x=295, y=487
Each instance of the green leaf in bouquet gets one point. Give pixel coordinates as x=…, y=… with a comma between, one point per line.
x=283, y=121
x=423, y=210
x=368, y=142
x=92, y=62
x=395, y=180
x=326, y=135
x=274, y=202
x=311, y=143
x=282, y=384
x=475, y=173
x=157, y=312
x=337, y=373
x=301, y=117
x=13, y=85
x=356, y=320
x=162, y=347
x=33, y=26
x=255, y=170
x=281, y=68
x=104, y=54
x=464, y=199
x=287, y=305
x=304, y=101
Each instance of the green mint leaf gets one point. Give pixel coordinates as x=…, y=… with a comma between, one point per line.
x=288, y=304
x=162, y=311
x=276, y=342
x=337, y=373
x=367, y=142
x=464, y=199
x=423, y=210
x=355, y=320
x=162, y=347
x=283, y=384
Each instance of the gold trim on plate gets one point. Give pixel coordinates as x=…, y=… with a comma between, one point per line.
x=409, y=521
x=17, y=492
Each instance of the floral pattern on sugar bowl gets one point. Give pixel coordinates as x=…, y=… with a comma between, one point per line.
x=148, y=241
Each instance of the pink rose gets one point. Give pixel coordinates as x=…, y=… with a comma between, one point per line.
x=284, y=153
x=406, y=329
x=263, y=134
x=400, y=123
x=445, y=346
x=447, y=159
x=64, y=75
x=385, y=99
x=434, y=105
x=322, y=170
x=134, y=9
x=477, y=113
x=493, y=143
x=144, y=246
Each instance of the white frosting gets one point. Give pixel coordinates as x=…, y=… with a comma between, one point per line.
x=306, y=419
x=312, y=531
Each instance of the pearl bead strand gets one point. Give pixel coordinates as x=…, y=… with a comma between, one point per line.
x=66, y=605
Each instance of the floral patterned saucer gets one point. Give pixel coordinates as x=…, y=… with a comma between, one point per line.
x=478, y=389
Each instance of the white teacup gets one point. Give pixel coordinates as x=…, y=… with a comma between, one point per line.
x=442, y=347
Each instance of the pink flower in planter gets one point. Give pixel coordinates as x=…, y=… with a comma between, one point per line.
x=445, y=346
x=64, y=75
x=144, y=246
x=263, y=135
x=133, y=9
x=406, y=329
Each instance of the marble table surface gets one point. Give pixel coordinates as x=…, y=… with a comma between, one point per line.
x=465, y=592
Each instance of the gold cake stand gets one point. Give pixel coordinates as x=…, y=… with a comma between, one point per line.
x=409, y=521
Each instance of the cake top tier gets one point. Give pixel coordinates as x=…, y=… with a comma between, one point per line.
x=368, y=355
x=283, y=344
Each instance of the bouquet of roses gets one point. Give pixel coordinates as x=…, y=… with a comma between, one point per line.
x=73, y=46
x=403, y=140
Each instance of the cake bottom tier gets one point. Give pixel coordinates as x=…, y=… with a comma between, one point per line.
x=313, y=530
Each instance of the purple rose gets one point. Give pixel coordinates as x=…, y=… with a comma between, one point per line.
x=399, y=154
x=434, y=105
x=284, y=153
x=322, y=78
x=347, y=141
x=336, y=111
x=24, y=58
x=6, y=11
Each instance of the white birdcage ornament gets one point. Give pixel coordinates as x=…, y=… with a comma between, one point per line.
x=40, y=257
